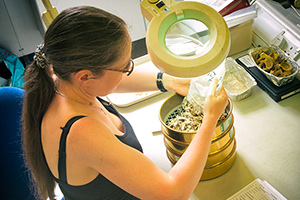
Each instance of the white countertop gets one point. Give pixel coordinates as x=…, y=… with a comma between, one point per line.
x=268, y=144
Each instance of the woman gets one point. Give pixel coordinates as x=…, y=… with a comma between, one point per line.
x=86, y=54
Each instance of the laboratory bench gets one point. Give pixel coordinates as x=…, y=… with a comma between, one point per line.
x=268, y=143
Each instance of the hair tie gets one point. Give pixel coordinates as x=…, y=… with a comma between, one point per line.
x=40, y=57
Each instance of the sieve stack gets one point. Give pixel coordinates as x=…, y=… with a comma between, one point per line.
x=223, y=146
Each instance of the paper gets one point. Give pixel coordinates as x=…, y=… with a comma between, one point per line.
x=216, y=4
x=128, y=99
x=258, y=190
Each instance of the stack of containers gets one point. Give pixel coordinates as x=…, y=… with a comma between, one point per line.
x=223, y=147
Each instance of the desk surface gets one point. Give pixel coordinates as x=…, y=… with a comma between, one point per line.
x=268, y=144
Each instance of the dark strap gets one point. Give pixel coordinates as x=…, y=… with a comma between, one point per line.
x=159, y=82
x=62, y=167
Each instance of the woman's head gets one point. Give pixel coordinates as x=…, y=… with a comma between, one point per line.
x=84, y=38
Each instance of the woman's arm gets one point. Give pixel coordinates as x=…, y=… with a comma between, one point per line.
x=144, y=80
x=133, y=171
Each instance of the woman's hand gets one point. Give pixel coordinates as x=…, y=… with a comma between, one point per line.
x=179, y=85
x=214, y=104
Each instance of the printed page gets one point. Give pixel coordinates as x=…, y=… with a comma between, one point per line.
x=216, y=4
x=258, y=190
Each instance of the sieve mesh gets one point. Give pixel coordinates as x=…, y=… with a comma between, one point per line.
x=181, y=111
x=177, y=112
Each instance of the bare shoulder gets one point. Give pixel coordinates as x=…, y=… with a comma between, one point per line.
x=88, y=129
x=86, y=124
x=90, y=138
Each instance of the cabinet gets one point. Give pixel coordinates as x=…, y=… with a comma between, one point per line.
x=21, y=28
x=128, y=10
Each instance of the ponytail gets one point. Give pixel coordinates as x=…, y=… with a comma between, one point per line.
x=39, y=87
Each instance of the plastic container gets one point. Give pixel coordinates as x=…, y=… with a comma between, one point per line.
x=241, y=37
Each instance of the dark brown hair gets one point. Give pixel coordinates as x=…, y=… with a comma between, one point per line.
x=78, y=38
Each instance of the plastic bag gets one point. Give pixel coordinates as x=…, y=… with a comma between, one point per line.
x=200, y=86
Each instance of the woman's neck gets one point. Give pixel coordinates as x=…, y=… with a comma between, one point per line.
x=76, y=93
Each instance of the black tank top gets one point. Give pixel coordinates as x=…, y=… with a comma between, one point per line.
x=100, y=187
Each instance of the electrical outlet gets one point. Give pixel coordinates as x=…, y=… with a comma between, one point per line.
x=293, y=52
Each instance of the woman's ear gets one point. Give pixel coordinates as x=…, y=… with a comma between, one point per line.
x=83, y=75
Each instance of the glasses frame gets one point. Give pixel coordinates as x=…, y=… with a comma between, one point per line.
x=128, y=72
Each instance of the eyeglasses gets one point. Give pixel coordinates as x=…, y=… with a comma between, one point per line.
x=128, y=69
